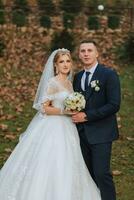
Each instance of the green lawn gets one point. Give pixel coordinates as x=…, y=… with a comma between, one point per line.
x=16, y=111
x=123, y=156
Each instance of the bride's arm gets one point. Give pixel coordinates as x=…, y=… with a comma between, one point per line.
x=50, y=110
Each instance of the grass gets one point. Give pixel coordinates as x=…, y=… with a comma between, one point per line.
x=123, y=156
x=17, y=121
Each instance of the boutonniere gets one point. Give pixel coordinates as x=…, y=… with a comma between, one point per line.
x=96, y=85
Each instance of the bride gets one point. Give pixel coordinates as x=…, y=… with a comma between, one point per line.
x=47, y=163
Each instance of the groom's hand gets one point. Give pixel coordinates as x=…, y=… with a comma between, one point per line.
x=79, y=117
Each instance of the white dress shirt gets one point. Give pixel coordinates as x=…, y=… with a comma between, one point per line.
x=91, y=70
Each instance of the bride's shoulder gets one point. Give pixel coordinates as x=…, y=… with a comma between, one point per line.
x=52, y=81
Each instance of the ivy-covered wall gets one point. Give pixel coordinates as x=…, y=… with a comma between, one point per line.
x=27, y=36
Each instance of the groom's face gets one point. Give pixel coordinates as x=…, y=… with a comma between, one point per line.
x=88, y=54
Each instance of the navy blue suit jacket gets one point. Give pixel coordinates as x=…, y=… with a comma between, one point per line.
x=101, y=106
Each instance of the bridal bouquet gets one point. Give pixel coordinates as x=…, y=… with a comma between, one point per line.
x=74, y=102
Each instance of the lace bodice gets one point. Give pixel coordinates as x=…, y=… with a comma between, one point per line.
x=57, y=92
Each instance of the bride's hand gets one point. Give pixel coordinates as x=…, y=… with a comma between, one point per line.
x=68, y=112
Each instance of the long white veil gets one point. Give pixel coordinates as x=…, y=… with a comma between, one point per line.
x=40, y=95
x=48, y=73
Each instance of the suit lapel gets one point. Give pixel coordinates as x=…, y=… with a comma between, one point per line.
x=94, y=77
x=79, y=80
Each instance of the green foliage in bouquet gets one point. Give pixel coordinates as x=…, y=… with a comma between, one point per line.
x=68, y=20
x=47, y=6
x=113, y=21
x=93, y=23
x=19, y=18
x=74, y=102
x=45, y=21
x=63, y=40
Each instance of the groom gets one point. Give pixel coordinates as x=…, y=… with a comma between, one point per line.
x=97, y=124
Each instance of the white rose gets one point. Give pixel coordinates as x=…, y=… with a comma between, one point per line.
x=93, y=84
x=97, y=88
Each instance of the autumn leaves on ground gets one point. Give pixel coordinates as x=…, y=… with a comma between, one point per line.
x=17, y=92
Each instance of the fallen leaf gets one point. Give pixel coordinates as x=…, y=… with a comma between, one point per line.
x=4, y=127
x=119, y=125
x=118, y=119
x=116, y=172
x=130, y=138
x=9, y=136
x=19, y=109
x=19, y=129
x=8, y=150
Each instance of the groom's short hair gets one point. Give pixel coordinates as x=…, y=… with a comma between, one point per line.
x=88, y=41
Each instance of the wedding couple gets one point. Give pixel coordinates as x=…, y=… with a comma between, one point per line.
x=47, y=163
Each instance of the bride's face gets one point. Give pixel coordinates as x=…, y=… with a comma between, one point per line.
x=63, y=64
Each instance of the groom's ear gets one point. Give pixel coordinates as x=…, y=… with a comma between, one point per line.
x=78, y=52
x=97, y=53
x=79, y=56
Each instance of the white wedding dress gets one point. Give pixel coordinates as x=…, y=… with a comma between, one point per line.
x=47, y=163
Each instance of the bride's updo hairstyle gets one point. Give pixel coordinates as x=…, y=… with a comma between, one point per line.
x=57, y=56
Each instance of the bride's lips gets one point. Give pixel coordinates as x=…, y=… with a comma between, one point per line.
x=87, y=58
x=66, y=68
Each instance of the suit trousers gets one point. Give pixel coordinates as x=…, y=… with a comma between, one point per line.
x=97, y=158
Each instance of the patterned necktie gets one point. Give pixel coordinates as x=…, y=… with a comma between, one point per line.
x=86, y=80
